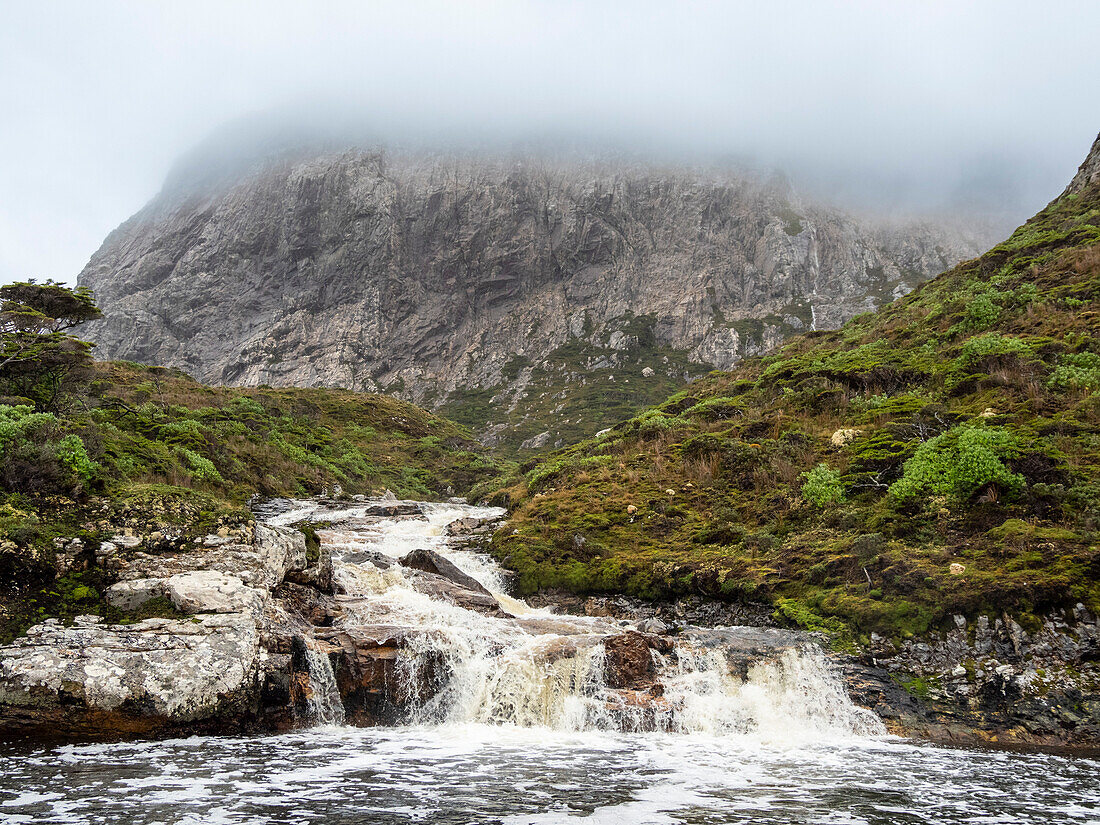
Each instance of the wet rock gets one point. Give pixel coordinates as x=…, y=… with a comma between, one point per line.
x=315, y=607
x=391, y=509
x=440, y=587
x=375, y=685
x=466, y=526
x=379, y=560
x=627, y=660
x=431, y=562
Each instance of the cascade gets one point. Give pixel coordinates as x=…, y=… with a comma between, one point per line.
x=533, y=667
x=325, y=705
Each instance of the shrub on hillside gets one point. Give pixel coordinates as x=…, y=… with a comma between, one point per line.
x=822, y=485
x=960, y=462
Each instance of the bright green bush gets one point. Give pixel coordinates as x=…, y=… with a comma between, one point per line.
x=1080, y=371
x=991, y=345
x=822, y=485
x=72, y=454
x=981, y=313
x=958, y=463
x=202, y=468
x=21, y=422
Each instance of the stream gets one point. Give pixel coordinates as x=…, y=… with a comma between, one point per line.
x=523, y=721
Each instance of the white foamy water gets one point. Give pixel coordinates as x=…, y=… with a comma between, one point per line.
x=548, y=670
x=490, y=774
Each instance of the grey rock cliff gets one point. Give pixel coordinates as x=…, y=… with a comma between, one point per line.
x=493, y=288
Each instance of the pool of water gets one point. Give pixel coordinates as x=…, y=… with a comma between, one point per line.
x=505, y=774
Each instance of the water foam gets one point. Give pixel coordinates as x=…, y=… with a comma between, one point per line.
x=541, y=669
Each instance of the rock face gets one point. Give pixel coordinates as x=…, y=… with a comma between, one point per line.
x=211, y=668
x=496, y=289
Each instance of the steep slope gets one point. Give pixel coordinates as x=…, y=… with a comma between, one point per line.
x=535, y=301
x=923, y=485
x=939, y=456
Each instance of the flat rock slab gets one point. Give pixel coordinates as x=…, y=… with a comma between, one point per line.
x=208, y=591
x=158, y=670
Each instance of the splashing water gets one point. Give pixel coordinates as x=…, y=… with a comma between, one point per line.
x=539, y=668
x=325, y=705
x=525, y=729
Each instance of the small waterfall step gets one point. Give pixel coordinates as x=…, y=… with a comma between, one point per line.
x=325, y=705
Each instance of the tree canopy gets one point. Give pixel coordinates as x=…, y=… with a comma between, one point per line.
x=38, y=360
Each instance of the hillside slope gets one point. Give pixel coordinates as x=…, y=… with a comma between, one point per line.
x=536, y=301
x=151, y=451
x=938, y=458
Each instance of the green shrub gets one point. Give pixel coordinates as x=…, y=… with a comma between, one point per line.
x=202, y=468
x=991, y=345
x=981, y=313
x=22, y=422
x=958, y=463
x=1080, y=371
x=72, y=454
x=822, y=485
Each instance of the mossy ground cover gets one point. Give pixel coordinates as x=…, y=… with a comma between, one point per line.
x=939, y=456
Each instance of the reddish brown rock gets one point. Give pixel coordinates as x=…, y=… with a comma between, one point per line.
x=628, y=662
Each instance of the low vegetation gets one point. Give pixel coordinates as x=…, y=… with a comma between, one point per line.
x=87, y=449
x=940, y=456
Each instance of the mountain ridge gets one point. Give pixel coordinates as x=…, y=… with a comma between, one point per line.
x=488, y=286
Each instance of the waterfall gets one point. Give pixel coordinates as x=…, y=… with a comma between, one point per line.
x=325, y=705
x=454, y=665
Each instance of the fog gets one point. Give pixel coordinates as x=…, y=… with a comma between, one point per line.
x=978, y=107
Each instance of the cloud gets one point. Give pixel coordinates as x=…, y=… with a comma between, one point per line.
x=987, y=105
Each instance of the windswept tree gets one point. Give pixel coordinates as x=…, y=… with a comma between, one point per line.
x=38, y=359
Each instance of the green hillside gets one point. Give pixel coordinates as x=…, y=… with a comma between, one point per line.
x=149, y=450
x=939, y=456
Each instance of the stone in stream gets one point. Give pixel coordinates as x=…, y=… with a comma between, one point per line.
x=390, y=509
x=466, y=526
x=627, y=660
x=431, y=562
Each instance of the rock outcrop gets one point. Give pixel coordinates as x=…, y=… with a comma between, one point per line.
x=503, y=291
x=206, y=668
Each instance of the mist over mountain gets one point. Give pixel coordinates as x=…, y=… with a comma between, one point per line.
x=535, y=291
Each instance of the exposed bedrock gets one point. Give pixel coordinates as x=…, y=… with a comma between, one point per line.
x=438, y=278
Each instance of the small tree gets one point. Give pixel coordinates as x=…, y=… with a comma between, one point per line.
x=38, y=360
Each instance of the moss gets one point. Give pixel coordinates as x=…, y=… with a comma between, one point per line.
x=920, y=687
x=66, y=597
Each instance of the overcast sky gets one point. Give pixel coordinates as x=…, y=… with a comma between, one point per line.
x=919, y=101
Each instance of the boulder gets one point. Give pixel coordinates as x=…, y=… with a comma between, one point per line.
x=391, y=509
x=130, y=595
x=376, y=683
x=96, y=680
x=208, y=591
x=431, y=562
x=627, y=661
x=208, y=672
x=465, y=526
x=439, y=587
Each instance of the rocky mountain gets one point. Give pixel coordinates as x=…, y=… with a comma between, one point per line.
x=536, y=301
